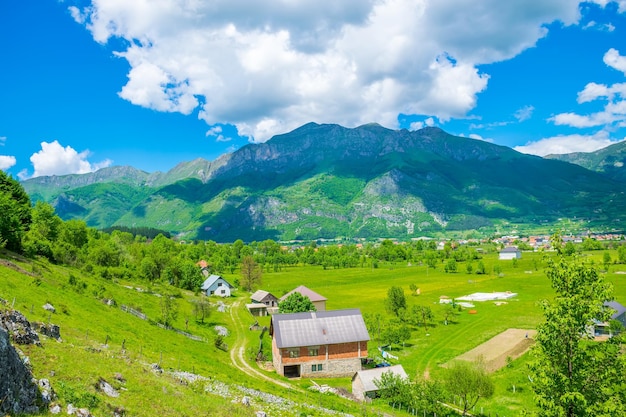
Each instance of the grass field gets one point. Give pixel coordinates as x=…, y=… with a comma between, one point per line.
x=132, y=344
x=366, y=288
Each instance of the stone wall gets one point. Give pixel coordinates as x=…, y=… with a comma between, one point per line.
x=18, y=392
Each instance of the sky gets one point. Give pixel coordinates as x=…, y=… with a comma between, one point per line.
x=151, y=83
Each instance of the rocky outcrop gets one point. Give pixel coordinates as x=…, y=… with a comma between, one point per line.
x=18, y=392
x=18, y=328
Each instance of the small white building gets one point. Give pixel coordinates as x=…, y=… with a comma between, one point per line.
x=216, y=285
x=509, y=253
x=364, y=382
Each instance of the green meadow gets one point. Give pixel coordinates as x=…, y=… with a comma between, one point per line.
x=102, y=341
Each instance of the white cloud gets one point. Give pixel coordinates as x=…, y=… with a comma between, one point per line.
x=267, y=67
x=416, y=126
x=54, y=159
x=567, y=144
x=7, y=161
x=614, y=111
x=524, y=113
x=613, y=59
x=216, y=132
x=3, y=140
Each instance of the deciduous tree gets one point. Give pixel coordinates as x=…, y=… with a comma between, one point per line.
x=395, y=300
x=251, y=273
x=296, y=303
x=573, y=375
x=470, y=382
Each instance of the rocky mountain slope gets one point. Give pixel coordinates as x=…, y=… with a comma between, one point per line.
x=325, y=181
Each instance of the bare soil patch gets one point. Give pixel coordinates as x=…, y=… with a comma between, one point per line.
x=494, y=352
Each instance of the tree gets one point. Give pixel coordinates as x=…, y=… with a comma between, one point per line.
x=573, y=375
x=395, y=333
x=423, y=315
x=202, y=309
x=395, y=300
x=469, y=381
x=251, y=273
x=450, y=266
x=169, y=310
x=449, y=313
x=11, y=229
x=296, y=303
x=393, y=388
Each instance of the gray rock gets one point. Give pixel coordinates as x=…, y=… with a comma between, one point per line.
x=55, y=409
x=49, y=307
x=48, y=329
x=18, y=328
x=221, y=330
x=107, y=388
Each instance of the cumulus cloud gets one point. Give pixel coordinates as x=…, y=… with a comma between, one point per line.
x=614, y=111
x=7, y=161
x=267, y=67
x=614, y=60
x=54, y=159
x=563, y=144
x=216, y=132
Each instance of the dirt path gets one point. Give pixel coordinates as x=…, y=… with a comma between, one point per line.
x=238, y=351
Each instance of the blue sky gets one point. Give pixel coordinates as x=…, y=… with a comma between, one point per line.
x=89, y=84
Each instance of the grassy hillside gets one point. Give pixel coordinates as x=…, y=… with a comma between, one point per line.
x=100, y=340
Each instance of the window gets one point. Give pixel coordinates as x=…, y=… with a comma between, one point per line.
x=316, y=368
x=223, y=292
x=314, y=351
x=293, y=353
x=219, y=284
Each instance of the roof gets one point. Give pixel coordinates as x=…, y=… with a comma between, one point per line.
x=369, y=375
x=509, y=249
x=212, y=279
x=313, y=296
x=260, y=295
x=619, y=309
x=319, y=328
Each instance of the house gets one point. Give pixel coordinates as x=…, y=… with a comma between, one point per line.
x=216, y=285
x=364, y=382
x=264, y=297
x=601, y=329
x=319, y=344
x=263, y=303
x=318, y=301
x=510, y=252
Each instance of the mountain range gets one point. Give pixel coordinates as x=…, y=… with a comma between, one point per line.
x=328, y=181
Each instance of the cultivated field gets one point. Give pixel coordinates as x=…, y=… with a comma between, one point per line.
x=495, y=352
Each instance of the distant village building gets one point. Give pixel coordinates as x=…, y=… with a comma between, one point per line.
x=509, y=253
x=364, y=382
x=319, y=344
x=318, y=301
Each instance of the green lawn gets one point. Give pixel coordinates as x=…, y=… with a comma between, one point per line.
x=86, y=323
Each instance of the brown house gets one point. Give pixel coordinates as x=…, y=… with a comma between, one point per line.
x=319, y=344
x=318, y=301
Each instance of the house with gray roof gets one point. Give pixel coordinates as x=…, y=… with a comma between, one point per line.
x=318, y=301
x=364, y=382
x=509, y=253
x=263, y=302
x=319, y=343
x=603, y=329
x=216, y=285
